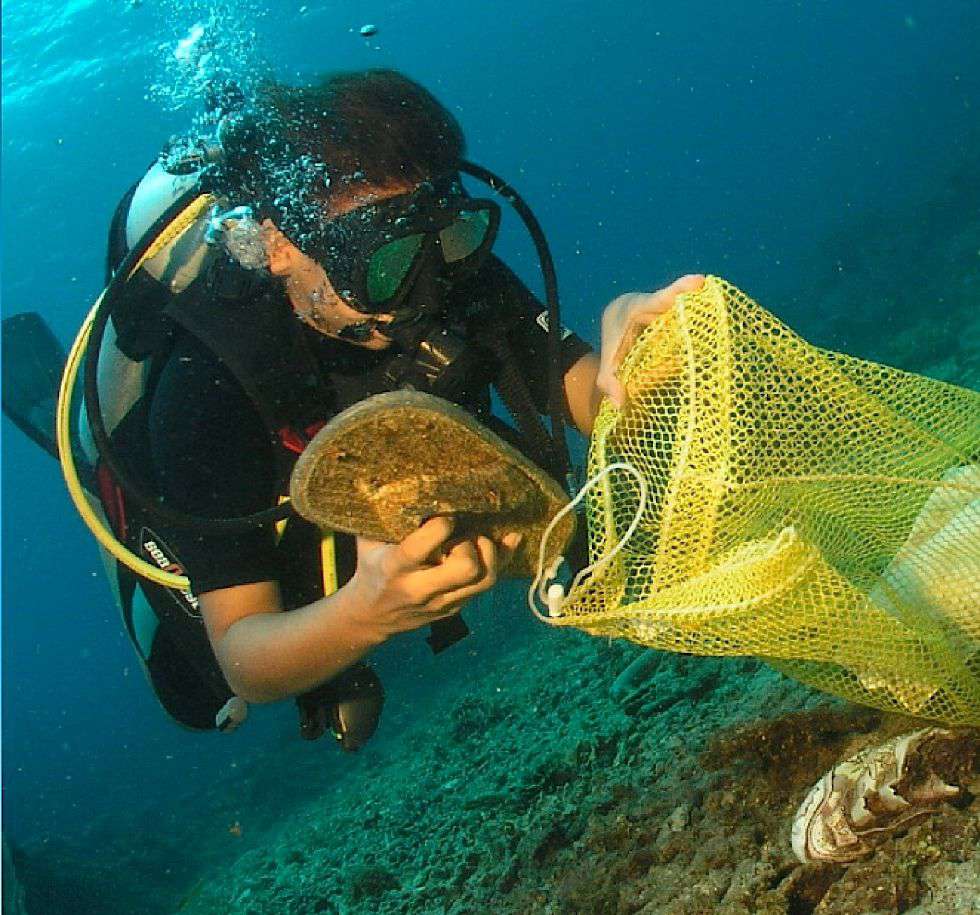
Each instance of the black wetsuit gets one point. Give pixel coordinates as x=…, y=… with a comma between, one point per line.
x=212, y=455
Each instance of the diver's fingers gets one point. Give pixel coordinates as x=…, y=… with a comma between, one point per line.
x=649, y=307
x=493, y=558
x=448, y=612
x=612, y=387
x=615, y=329
x=464, y=565
x=507, y=547
x=623, y=320
x=422, y=546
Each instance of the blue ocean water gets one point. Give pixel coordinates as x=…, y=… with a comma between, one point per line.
x=651, y=139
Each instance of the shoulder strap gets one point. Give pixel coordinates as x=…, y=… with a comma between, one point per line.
x=231, y=310
x=242, y=319
x=513, y=390
x=117, y=247
x=497, y=291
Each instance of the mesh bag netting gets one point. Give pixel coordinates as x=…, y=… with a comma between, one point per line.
x=811, y=509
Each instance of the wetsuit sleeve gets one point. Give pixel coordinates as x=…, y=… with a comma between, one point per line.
x=514, y=306
x=212, y=456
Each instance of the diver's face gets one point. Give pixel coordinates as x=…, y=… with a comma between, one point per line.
x=310, y=292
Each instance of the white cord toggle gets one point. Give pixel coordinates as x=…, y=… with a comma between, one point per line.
x=554, y=596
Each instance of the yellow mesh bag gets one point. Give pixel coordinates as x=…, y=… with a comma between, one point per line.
x=814, y=510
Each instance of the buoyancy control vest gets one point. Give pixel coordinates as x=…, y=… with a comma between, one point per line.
x=183, y=288
x=187, y=286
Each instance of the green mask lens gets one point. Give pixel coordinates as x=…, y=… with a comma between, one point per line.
x=392, y=262
x=459, y=240
x=389, y=266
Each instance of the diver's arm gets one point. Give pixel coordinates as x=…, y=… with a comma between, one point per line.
x=582, y=394
x=267, y=654
x=591, y=378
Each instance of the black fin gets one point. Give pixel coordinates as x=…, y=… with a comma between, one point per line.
x=33, y=362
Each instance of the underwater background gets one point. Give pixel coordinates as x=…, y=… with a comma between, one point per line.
x=820, y=155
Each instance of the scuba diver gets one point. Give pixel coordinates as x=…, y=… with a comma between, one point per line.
x=319, y=249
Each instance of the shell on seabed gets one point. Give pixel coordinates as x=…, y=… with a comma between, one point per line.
x=855, y=805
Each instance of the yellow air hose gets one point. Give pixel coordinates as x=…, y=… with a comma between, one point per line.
x=93, y=522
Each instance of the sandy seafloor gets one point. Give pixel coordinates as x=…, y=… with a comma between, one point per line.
x=541, y=794
x=544, y=796
x=527, y=788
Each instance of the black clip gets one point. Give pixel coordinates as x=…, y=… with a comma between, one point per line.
x=445, y=633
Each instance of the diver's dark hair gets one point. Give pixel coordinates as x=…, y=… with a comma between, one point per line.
x=378, y=123
x=361, y=127
x=291, y=149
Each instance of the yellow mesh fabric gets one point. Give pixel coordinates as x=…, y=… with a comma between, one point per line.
x=815, y=510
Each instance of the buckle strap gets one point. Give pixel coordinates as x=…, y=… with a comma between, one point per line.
x=296, y=440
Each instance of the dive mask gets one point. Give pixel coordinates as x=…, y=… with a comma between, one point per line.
x=373, y=254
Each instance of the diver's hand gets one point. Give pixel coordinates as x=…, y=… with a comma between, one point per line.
x=426, y=577
x=623, y=320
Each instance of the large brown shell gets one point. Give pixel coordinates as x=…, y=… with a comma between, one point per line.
x=386, y=464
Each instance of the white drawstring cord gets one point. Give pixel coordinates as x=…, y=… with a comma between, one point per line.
x=554, y=597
